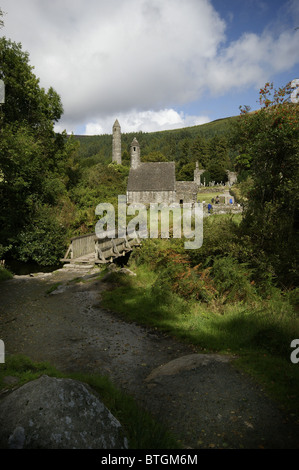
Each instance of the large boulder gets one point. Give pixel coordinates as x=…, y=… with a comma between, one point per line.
x=52, y=413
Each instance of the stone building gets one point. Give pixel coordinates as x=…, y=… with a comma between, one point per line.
x=151, y=181
x=186, y=191
x=155, y=182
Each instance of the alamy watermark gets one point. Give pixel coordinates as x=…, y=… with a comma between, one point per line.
x=295, y=354
x=2, y=92
x=295, y=93
x=2, y=352
x=187, y=221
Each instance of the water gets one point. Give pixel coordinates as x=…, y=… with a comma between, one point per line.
x=123, y=260
x=20, y=268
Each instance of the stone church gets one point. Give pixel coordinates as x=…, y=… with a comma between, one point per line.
x=151, y=182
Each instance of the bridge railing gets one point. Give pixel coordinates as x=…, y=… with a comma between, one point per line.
x=104, y=250
x=83, y=245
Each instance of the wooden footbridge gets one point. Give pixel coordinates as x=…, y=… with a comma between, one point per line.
x=89, y=249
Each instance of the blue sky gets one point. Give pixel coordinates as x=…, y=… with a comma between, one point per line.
x=251, y=16
x=155, y=64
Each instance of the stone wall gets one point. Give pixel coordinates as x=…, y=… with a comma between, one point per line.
x=146, y=197
x=197, y=175
x=186, y=191
x=224, y=209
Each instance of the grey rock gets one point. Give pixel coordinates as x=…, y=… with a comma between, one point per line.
x=127, y=271
x=53, y=413
x=112, y=268
x=189, y=362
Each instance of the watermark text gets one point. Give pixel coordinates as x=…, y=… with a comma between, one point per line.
x=295, y=353
x=295, y=93
x=2, y=352
x=2, y=92
x=186, y=220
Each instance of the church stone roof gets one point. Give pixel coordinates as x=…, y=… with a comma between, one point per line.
x=152, y=176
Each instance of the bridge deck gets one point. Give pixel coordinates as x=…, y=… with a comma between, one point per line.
x=85, y=259
x=88, y=249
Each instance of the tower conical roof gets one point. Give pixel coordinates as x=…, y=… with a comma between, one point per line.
x=134, y=142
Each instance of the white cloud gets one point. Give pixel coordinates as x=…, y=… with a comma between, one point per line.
x=252, y=59
x=120, y=57
x=145, y=121
x=109, y=57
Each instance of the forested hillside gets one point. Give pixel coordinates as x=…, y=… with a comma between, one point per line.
x=208, y=144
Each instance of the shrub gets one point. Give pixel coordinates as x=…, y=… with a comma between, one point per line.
x=5, y=274
x=233, y=280
x=43, y=241
x=221, y=236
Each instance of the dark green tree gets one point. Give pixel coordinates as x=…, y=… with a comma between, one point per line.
x=154, y=157
x=217, y=172
x=200, y=151
x=36, y=164
x=25, y=100
x=219, y=150
x=186, y=172
x=270, y=139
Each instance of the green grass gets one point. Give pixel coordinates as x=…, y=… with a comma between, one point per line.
x=208, y=196
x=142, y=431
x=258, y=332
x=53, y=287
x=5, y=274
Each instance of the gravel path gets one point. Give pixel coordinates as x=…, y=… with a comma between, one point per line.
x=202, y=399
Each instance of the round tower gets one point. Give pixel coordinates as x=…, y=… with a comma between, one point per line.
x=116, y=143
x=135, y=154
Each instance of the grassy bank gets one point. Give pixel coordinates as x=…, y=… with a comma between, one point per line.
x=5, y=274
x=141, y=430
x=218, y=308
x=209, y=195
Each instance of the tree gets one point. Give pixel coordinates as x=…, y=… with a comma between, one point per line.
x=154, y=157
x=36, y=164
x=25, y=100
x=270, y=139
x=217, y=172
x=186, y=172
x=1, y=20
x=126, y=159
x=200, y=151
x=184, y=149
